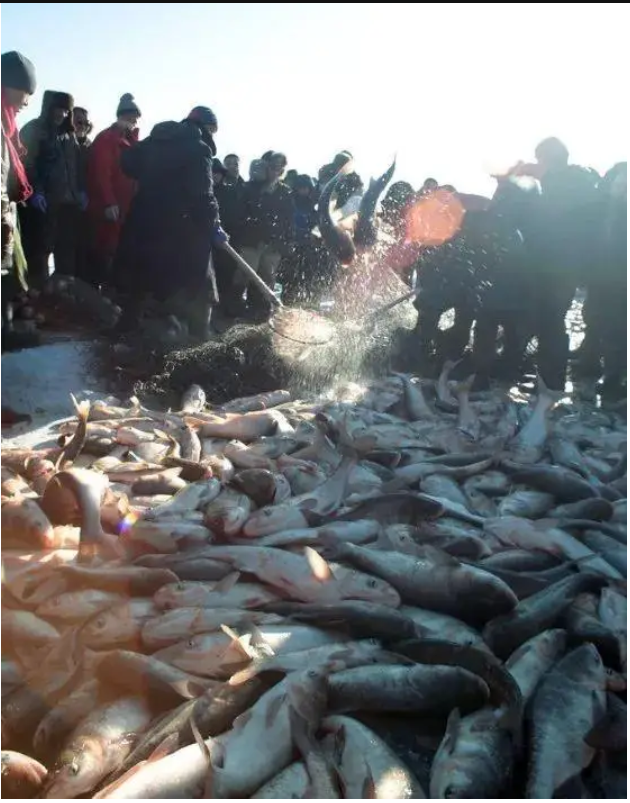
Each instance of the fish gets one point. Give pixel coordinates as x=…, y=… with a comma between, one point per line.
x=383, y=564
x=166, y=629
x=429, y=690
x=96, y=746
x=533, y=659
x=367, y=767
x=69, y=712
x=228, y=512
x=308, y=577
x=26, y=628
x=528, y=445
x=300, y=510
x=539, y=612
x=365, y=232
x=436, y=581
x=193, y=400
x=475, y=758
x=24, y=523
x=22, y=776
x=526, y=504
x=260, y=743
x=569, y=701
x=416, y=406
x=117, y=626
x=293, y=782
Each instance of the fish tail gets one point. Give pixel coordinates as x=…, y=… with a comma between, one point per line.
x=82, y=408
x=463, y=388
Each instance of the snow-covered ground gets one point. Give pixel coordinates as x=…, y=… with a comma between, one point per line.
x=39, y=381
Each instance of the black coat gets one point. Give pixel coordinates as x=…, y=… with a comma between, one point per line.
x=269, y=216
x=166, y=241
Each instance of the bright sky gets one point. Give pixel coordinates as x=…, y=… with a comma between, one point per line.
x=453, y=88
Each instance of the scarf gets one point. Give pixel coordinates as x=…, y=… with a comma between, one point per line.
x=23, y=189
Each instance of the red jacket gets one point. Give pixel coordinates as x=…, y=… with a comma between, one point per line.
x=107, y=185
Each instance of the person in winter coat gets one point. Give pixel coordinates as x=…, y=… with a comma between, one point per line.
x=266, y=232
x=53, y=163
x=232, y=164
x=83, y=128
x=18, y=84
x=230, y=197
x=110, y=190
x=165, y=247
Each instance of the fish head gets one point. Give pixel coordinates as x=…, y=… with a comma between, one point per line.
x=496, y=595
x=269, y=520
x=112, y=626
x=178, y=595
x=59, y=606
x=356, y=585
x=77, y=771
x=584, y=665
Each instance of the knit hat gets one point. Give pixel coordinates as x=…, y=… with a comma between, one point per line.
x=18, y=72
x=203, y=116
x=128, y=105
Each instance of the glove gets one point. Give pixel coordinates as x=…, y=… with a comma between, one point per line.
x=83, y=201
x=219, y=236
x=112, y=213
x=39, y=202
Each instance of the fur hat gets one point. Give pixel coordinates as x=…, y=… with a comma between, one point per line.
x=18, y=72
x=60, y=100
x=128, y=105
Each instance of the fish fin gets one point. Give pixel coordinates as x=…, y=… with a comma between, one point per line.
x=161, y=435
x=368, y=788
x=259, y=641
x=205, y=752
x=164, y=748
x=274, y=709
x=452, y=728
x=244, y=675
x=319, y=567
x=223, y=586
x=81, y=408
x=242, y=643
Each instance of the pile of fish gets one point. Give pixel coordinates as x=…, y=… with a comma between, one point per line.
x=409, y=591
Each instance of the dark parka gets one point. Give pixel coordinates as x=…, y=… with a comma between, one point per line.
x=166, y=241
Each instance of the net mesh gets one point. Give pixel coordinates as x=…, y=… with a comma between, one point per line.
x=249, y=359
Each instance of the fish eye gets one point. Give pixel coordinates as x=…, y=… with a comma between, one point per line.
x=450, y=792
x=74, y=768
x=371, y=583
x=101, y=621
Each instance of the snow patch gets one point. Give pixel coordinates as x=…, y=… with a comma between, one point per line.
x=39, y=382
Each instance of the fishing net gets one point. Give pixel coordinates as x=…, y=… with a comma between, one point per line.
x=250, y=359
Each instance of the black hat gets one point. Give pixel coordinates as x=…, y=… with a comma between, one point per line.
x=128, y=105
x=203, y=116
x=18, y=72
x=60, y=100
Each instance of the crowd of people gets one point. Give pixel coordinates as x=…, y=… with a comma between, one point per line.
x=146, y=221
